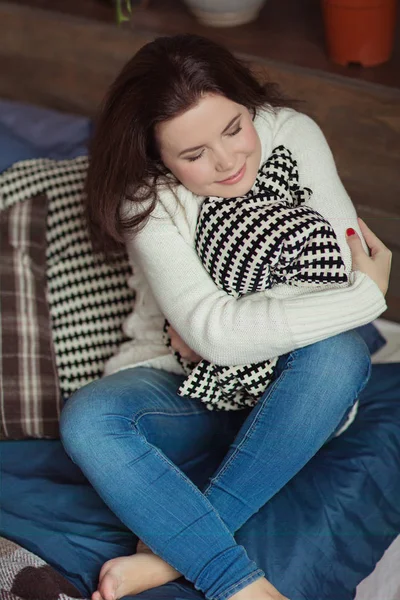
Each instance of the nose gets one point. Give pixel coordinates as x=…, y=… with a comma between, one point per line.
x=224, y=160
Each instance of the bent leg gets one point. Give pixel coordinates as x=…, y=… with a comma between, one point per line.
x=314, y=389
x=100, y=429
x=326, y=529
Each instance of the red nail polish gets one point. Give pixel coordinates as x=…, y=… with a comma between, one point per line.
x=350, y=231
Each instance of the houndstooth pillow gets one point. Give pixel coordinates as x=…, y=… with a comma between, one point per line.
x=88, y=297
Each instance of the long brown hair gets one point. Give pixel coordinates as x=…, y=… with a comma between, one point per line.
x=164, y=78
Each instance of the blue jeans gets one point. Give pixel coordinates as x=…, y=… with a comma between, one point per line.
x=134, y=438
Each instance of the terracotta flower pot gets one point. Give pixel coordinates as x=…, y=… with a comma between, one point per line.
x=359, y=31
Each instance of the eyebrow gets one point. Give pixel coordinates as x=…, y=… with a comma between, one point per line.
x=231, y=122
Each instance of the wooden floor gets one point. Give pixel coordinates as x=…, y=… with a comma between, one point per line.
x=290, y=31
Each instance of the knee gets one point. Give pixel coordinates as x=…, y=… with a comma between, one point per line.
x=102, y=408
x=79, y=419
x=350, y=348
x=346, y=357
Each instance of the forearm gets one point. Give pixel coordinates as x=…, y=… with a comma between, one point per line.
x=258, y=328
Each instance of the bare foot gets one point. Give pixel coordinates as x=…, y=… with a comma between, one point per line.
x=130, y=575
x=260, y=589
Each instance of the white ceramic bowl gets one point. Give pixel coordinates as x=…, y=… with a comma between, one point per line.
x=225, y=13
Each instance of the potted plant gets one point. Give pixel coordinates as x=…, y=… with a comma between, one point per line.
x=359, y=31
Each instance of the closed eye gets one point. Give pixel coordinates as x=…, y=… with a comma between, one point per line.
x=235, y=132
x=192, y=158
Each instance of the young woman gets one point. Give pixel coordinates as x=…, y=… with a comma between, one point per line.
x=182, y=122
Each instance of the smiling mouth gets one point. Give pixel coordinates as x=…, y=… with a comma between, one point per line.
x=235, y=177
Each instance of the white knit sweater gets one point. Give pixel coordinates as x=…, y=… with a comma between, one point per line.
x=170, y=281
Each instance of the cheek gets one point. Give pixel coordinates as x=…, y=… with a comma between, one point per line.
x=192, y=173
x=250, y=140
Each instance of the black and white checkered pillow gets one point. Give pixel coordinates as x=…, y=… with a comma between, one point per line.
x=88, y=296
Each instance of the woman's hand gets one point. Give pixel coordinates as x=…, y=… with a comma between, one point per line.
x=377, y=266
x=179, y=345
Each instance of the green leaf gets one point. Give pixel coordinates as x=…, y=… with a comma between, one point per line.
x=119, y=13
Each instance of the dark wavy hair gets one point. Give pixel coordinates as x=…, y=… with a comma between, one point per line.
x=164, y=78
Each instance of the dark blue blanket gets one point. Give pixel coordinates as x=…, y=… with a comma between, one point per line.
x=316, y=539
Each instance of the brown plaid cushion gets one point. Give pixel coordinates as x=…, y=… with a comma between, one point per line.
x=30, y=399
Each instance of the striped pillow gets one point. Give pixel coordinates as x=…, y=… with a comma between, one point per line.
x=30, y=399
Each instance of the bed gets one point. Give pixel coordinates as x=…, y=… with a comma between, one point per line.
x=319, y=538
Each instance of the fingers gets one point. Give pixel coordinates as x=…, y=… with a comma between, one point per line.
x=354, y=241
x=177, y=342
x=359, y=256
x=193, y=357
x=180, y=346
x=374, y=244
x=372, y=241
x=377, y=265
x=366, y=231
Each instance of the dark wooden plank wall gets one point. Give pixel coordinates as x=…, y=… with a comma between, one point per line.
x=67, y=63
x=290, y=31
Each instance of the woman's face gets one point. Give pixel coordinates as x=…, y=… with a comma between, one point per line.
x=213, y=149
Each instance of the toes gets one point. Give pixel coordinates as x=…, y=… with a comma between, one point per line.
x=109, y=587
x=104, y=592
x=103, y=571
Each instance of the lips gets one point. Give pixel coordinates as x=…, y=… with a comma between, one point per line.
x=235, y=177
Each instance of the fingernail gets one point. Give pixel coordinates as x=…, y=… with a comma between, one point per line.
x=350, y=231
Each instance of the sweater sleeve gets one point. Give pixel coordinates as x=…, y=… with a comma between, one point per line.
x=229, y=331
x=317, y=171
